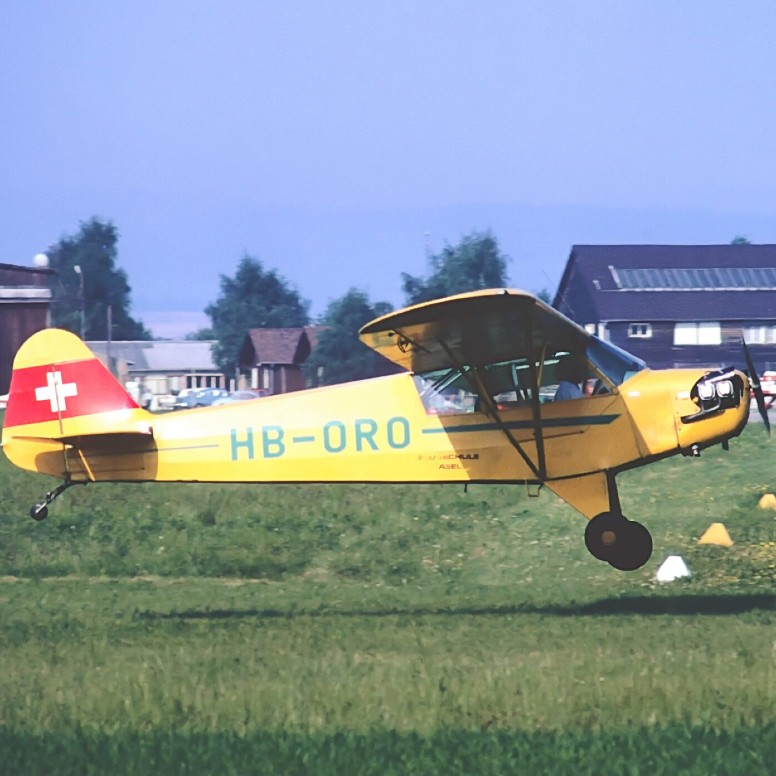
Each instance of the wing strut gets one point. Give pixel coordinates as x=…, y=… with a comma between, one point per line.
x=473, y=376
x=536, y=403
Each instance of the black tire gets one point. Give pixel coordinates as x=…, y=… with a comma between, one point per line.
x=604, y=534
x=634, y=551
x=39, y=512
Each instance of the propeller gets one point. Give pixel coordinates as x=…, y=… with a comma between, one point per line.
x=754, y=381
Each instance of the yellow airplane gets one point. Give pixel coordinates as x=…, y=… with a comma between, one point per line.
x=498, y=387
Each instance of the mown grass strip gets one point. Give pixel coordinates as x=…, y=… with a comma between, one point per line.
x=676, y=749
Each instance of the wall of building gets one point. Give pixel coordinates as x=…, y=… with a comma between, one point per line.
x=660, y=352
x=17, y=322
x=24, y=309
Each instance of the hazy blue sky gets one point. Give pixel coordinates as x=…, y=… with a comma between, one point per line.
x=338, y=142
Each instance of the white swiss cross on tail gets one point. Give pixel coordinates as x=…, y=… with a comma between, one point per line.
x=56, y=392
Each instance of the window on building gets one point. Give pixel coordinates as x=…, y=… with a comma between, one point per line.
x=760, y=335
x=642, y=330
x=704, y=333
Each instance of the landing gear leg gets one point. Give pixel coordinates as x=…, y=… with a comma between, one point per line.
x=40, y=511
x=611, y=537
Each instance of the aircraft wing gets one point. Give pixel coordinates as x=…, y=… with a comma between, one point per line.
x=474, y=329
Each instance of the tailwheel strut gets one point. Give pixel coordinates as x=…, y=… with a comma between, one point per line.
x=40, y=511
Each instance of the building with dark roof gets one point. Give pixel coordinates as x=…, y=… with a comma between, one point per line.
x=274, y=358
x=676, y=305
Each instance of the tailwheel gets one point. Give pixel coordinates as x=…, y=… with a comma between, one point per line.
x=40, y=511
x=624, y=544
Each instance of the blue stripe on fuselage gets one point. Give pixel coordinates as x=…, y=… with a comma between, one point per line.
x=582, y=420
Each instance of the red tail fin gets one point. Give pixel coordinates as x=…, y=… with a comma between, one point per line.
x=56, y=378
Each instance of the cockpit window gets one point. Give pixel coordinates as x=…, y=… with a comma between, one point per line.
x=446, y=392
x=510, y=384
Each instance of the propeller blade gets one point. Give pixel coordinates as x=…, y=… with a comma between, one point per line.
x=754, y=381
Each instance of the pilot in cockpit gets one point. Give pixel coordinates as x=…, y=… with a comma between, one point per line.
x=570, y=374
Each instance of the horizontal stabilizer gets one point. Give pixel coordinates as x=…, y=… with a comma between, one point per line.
x=79, y=439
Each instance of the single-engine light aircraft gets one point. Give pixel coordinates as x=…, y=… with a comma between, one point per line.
x=498, y=387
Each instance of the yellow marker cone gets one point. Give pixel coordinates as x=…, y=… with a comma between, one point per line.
x=768, y=501
x=716, y=533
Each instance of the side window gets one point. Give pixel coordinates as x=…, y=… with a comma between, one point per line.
x=565, y=376
x=458, y=391
x=561, y=376
x=446, y=392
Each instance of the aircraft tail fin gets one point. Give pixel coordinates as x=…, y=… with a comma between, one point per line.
x=60, y=389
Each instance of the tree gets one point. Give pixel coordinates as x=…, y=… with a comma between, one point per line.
x=339, y=355
x=740, y=240
x=545, y=295
x=87, y=283
x=254, y=298
x=474, y=263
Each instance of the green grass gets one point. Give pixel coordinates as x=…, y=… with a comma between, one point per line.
x=407, y=629
x=668, y=750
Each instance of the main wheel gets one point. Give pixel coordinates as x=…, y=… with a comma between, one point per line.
x=634, y=551
x=604, y=534
x=39, y=512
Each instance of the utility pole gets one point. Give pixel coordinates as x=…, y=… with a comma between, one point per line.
x=82, y=305
x=110, y=337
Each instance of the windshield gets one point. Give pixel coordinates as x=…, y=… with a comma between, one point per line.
x=613, y=362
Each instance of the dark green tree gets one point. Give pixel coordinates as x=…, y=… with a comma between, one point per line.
x=254, y=298
x=338, y=355
x=545, y=295
x=475, y=263
x=87, y=282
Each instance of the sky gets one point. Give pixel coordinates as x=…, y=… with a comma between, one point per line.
x=341, y=143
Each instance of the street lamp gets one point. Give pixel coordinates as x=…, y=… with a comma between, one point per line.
x=77, y=270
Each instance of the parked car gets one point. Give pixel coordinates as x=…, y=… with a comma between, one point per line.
x=198, y=397
x=768, y=384
x=240, y=396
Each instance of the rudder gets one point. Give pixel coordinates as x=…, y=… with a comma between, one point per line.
x=55, y=379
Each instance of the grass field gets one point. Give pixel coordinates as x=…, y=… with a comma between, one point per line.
x=387, y=630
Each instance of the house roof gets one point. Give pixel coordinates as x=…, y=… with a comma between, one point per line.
x=275, y=346
x=648, y=282
x=166, y=356
x=313, y=335
x=16, y=275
